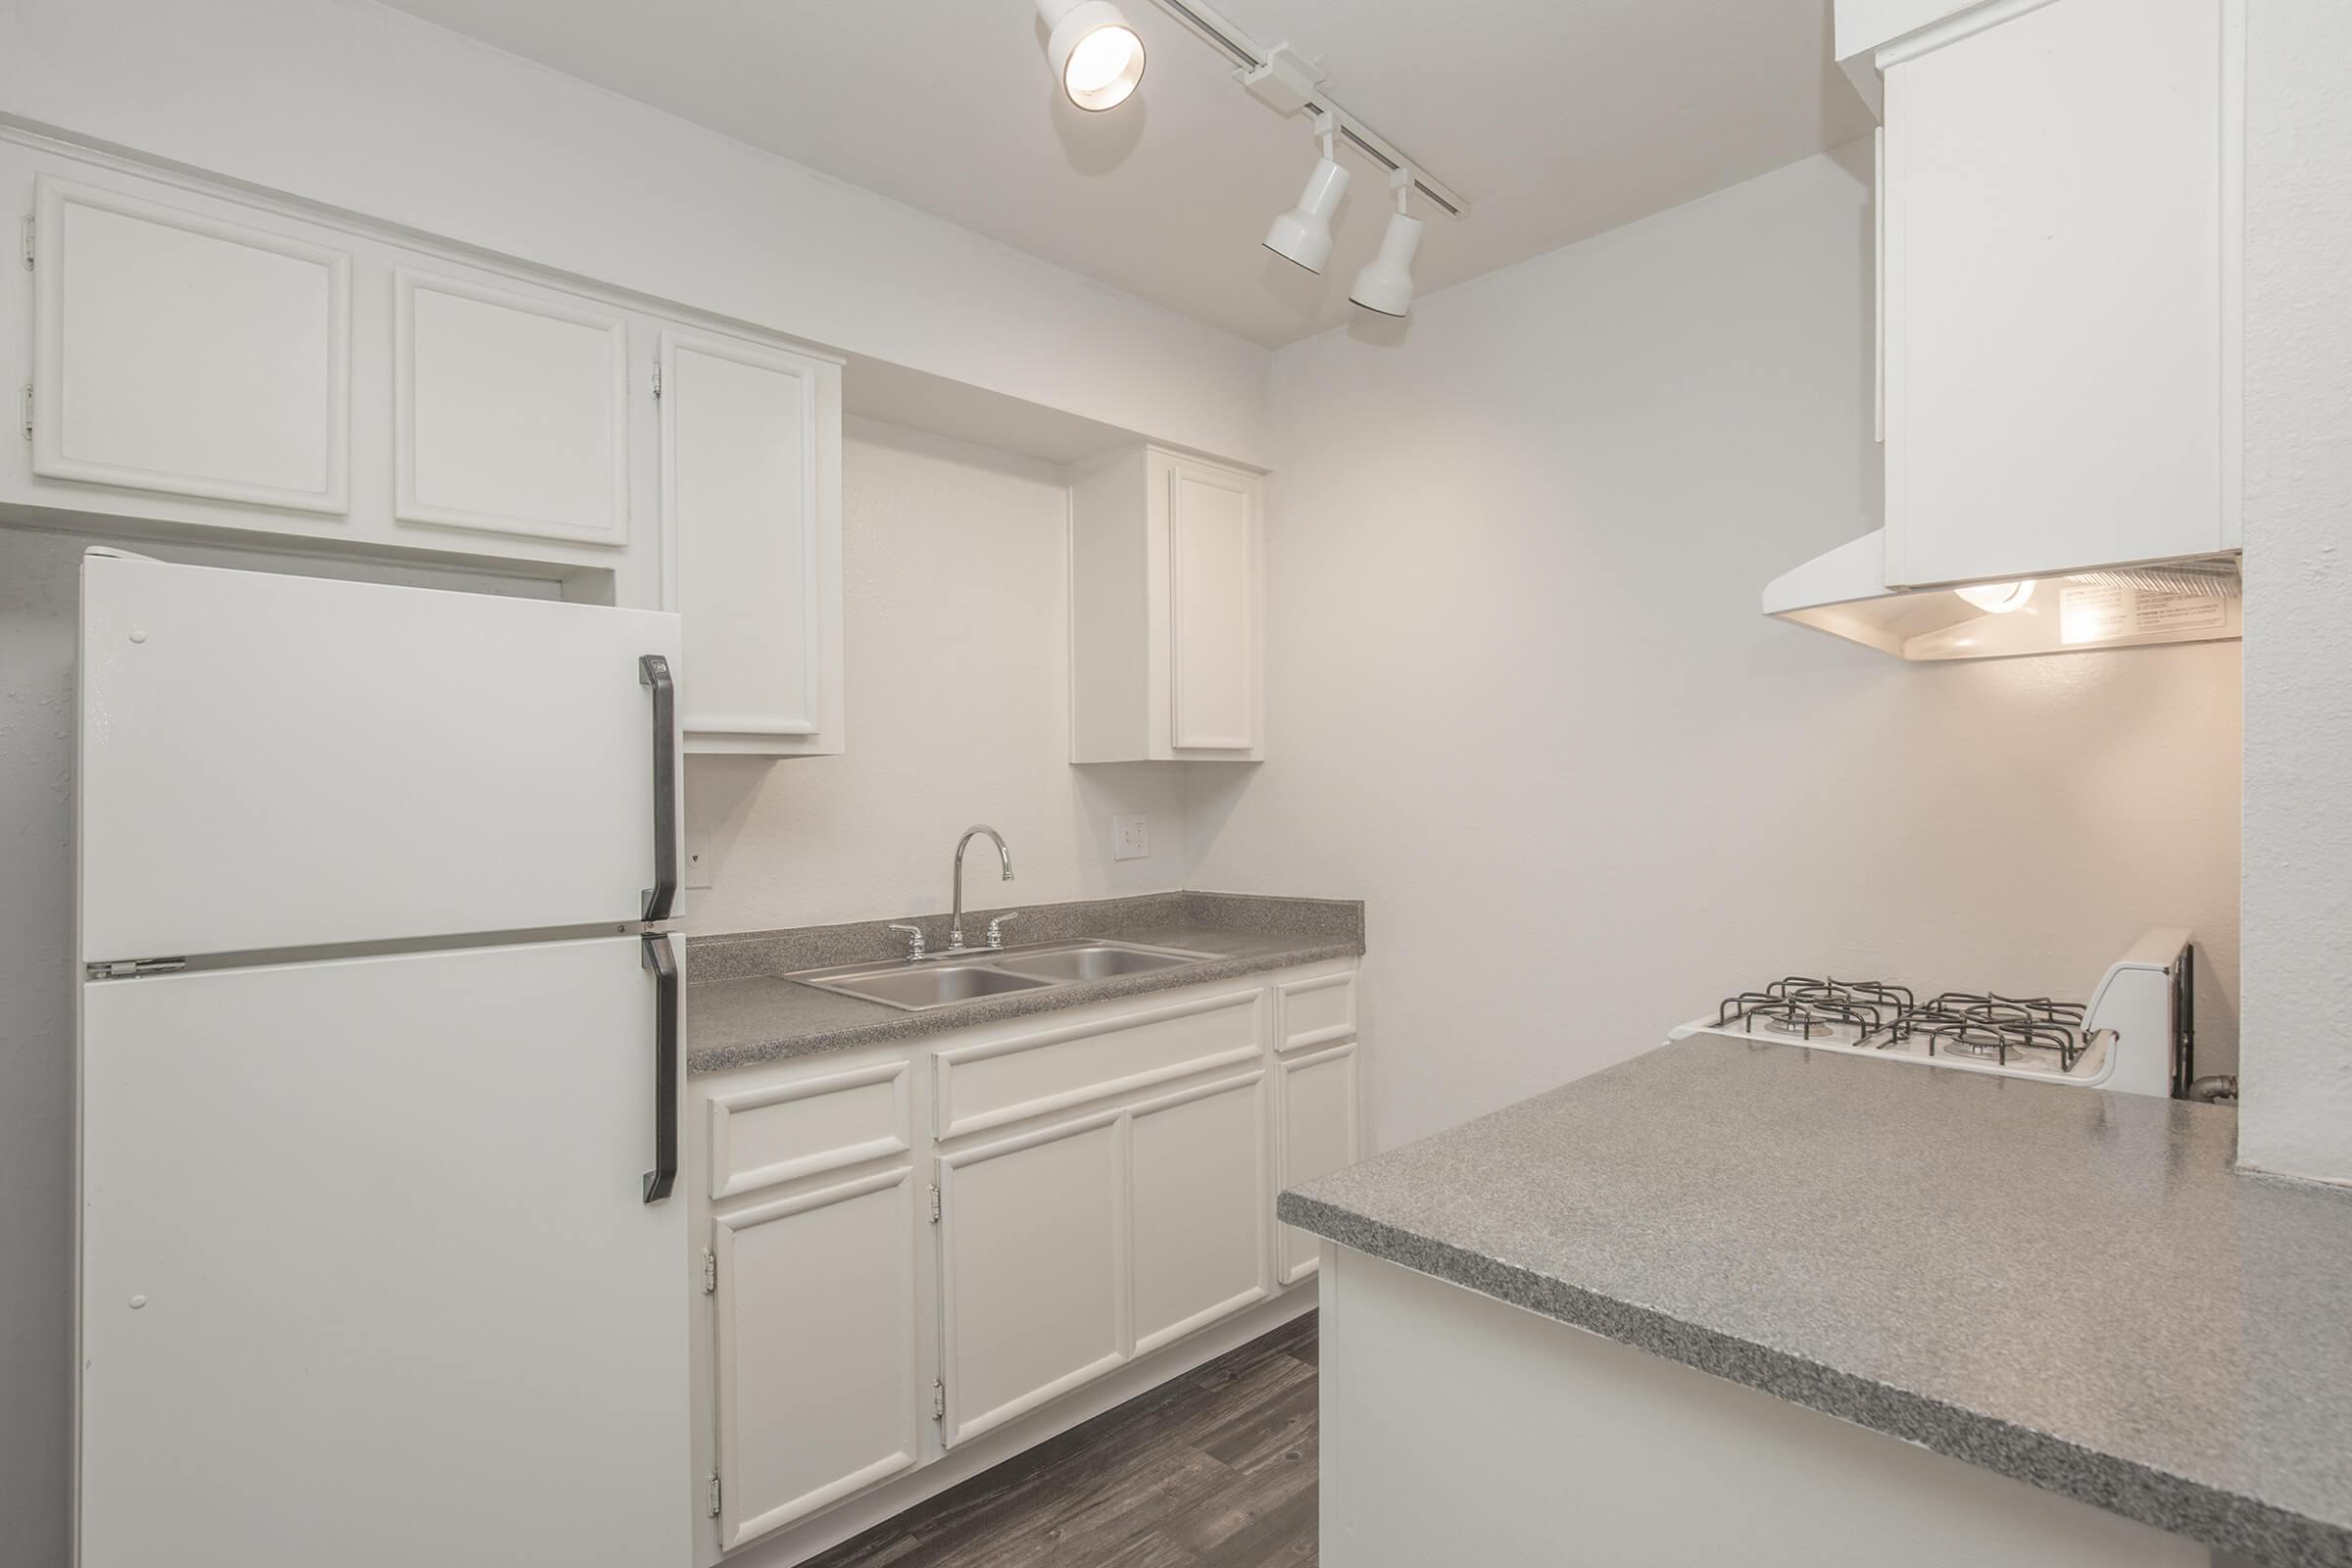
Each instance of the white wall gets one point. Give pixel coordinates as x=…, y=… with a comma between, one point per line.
x=39, y=588
x=1524, y=704
x=958, y=668
x=346, y=103
x=2297, y=1114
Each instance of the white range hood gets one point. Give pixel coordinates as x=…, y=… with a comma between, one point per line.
x=1844, y=593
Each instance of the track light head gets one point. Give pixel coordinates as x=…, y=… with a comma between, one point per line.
x=1386, y=283
x=1304, y=233
x=1096, y=56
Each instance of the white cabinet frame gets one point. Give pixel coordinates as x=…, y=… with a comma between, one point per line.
x=613, y=528
x=52, y=198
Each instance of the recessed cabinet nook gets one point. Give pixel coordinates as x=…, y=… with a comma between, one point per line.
x=198, y=365
x=913, y=1253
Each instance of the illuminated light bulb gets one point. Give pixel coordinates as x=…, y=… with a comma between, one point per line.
x=1997, y=598
x=1095, y=53
x=1100, y=58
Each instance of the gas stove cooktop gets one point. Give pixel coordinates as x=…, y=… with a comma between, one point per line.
x=2134, y=1034
x=2024, y=1034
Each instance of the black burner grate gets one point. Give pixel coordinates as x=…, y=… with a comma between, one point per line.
x=1979, y=1025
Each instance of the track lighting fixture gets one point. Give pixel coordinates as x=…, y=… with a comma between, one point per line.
x=1096, y=55
x=1386, y=283
x=1304, y=233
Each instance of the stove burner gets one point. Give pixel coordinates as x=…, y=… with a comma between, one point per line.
x=1987, y=1026
x=1977, y=1025
x=1805, y=1007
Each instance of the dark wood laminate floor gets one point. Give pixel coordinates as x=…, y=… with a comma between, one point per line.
x=1214, y=1469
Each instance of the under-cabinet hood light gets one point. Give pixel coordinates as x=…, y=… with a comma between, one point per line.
x=1997, y=598
x=1845, y=594
x=1095, y=54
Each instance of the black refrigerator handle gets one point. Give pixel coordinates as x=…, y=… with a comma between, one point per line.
x=654, y=670
x=665, y=965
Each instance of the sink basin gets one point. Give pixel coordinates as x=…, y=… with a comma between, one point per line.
x=930, y=986
x=914, y=987
x=1095, y=962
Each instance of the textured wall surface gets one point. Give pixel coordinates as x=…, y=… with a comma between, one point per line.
x=1525, y=706
x=2297, y=1115
x=956, y=609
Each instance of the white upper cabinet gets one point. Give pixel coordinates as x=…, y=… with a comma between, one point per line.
x=1167, y=610
x=750, y=535
x=511, y=411
x=177, y=352
x=2060, y=239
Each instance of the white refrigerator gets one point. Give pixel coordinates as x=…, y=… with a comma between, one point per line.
x=379, y=1075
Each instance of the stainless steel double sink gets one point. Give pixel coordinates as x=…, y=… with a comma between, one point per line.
x=916, y=985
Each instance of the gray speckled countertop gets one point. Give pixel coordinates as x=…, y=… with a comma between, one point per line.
x=2066, y=1285
x=741, y=1012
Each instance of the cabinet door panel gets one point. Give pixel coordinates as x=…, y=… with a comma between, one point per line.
x=2055, y=252
x=816, y=1350
x=1317, y=1136
x=1200, y=1208
x=511, y=412
x=1033, y=1269
x=179, y=353
x=1212, y=613
x=741, y=533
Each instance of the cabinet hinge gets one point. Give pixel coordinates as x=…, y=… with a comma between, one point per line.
x=939, y=1401
x=711, y=1494
x=29, y=242
x=28, y=411
x=710, y=1272
x=933, y=1205
x=132, y=968
x=657, y=380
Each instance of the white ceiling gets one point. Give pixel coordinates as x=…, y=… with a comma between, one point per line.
x=1556, y=119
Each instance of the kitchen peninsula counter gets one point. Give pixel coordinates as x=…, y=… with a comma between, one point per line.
x=2067, y=1287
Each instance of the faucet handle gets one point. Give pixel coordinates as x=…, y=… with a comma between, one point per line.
x=914, y=938
x=995, y=928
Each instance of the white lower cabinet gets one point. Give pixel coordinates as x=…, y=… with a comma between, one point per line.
x=1198, y=1207
x=1087, y=1190
x=1032, y=1263
x=1318, y=1135
x=815, y=1349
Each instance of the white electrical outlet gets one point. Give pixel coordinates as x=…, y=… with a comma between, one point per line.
x=699, y=861
x=1130, y=836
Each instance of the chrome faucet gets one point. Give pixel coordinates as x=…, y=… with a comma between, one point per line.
x=956, y=925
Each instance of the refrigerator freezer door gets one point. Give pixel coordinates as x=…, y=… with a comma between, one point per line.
x=368, y=1274
x=274, y=762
